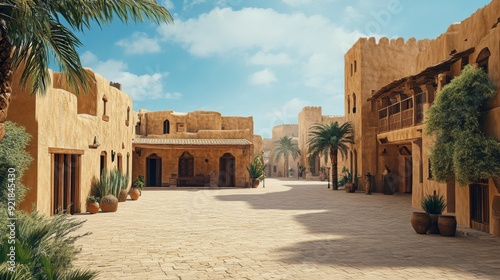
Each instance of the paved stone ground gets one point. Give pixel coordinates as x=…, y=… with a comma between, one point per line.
x=288, y=230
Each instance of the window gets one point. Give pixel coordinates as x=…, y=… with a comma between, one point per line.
x=351, y=69
x=103, y=164
x=119, y=162
x=180, y=127
x=105, y=117
x=483, y=59
x=186, y=165
x=355, y=66
x=349, y=104
x=128, y=163
x=127, y=121
x=166, y=127
x=353, y=103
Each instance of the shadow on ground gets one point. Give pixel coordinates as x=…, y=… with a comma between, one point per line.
x=359, y=230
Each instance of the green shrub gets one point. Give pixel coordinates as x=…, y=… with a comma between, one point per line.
x=44, y=248
x=461, y=150
x=13, y=156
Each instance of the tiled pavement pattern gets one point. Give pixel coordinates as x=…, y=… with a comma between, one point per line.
x=288, y=230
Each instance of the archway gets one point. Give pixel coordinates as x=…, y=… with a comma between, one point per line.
x=227, y=170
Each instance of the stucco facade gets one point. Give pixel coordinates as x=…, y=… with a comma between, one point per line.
x=74, y=137
x=308, y=117
x=200, y=148
x=276, y=167
x=390, y=84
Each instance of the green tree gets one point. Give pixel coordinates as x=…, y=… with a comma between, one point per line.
x=461, y=151
x=14, y=160
x=36, y=32
x=285, y=148
x=328, y=140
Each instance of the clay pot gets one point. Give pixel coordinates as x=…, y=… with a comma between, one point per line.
x=109, y=203
x=134, y=194
x=255, y=183
x=434, y=229
x=349, y=188
x=447, y=225
x=123, y=196
x=92, y=207
x=420, y=222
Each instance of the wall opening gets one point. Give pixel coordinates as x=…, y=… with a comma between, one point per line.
x=166, y=127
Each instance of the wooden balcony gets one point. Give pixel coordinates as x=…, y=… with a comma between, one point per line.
x=402, y=114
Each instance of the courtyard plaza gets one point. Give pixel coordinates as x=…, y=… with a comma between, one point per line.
x=288, y=230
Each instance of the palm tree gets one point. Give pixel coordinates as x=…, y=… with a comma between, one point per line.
x=35, y=32
x=329, y=139
x=286, y=148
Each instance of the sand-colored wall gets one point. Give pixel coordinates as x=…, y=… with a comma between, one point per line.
x=206, y=162
x=381, y=63
x=54, y=122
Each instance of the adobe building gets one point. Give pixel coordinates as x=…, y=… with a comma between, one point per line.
x=308, y=117
x=276, y=168
x=74, y=138
x=389, y=85
x=200, y=148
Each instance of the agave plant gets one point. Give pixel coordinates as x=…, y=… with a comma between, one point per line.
x=255, y=171
x=434, y=203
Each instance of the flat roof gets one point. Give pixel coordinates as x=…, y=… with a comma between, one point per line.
x=191, y=142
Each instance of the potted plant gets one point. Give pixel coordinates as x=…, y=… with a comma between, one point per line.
x=256, y=172
x=92, y=204
x=302, y=170
x=346, y=180
x=137, y=187
x=434, y=205
x=109, y=203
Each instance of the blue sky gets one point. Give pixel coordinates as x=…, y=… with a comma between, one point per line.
x=260, y=58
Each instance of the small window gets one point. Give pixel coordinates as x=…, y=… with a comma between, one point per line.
x=166, y=127
x=119, y=162
x=355, y=66
x=348, y=104
x=351, y=69
x=127, y=121
x=353, y=103
x=180, y=127
x=105, y=116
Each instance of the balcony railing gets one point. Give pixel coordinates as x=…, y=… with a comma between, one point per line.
x=401, y=114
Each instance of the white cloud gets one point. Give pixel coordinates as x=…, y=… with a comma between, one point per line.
x=173, y=95
x=297, y=39
x=139, y=87
x=263, y=78
x=351, y=13
x=296, y=3
x=168, y=4
x=270, y=59
x=139, y=43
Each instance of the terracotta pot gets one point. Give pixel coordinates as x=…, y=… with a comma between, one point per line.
x=255, y=183
x=349, y=188
x=109, y=203
x=92, y=207
x=123, y=196
x=447, y=225
x=420, y=222
x=134, y=194
x=434, y=229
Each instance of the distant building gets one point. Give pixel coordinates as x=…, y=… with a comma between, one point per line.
x=276, y=167
x=389, y=85
x=200, y=148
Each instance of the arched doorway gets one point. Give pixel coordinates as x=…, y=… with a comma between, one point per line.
x=227, y=167
x=153, y=171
